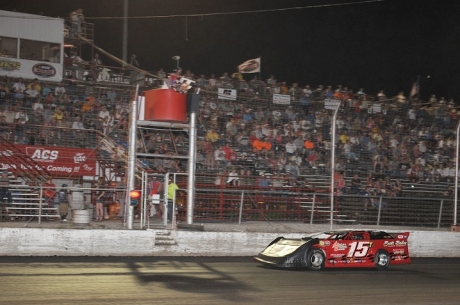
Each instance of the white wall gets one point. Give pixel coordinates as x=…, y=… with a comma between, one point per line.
x=82, y=242
x=49, y=242
x=34, y=27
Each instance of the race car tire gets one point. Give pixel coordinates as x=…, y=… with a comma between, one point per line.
x=315, y=259
x=382, y=259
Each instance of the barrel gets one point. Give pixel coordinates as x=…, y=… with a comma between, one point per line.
x=81, y=216
x=165, y=105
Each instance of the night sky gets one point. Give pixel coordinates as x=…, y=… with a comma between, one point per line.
x=377, y=45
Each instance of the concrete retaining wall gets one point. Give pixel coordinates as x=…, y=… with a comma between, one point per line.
x=61, y=242
x=72, y=242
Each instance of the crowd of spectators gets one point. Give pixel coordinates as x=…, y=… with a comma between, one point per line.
x=389, y=137
x=392, y=137
x=46, y=113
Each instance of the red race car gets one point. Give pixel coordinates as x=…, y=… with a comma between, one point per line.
x=338, y=249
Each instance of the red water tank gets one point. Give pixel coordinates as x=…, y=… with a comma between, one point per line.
x=165, y=105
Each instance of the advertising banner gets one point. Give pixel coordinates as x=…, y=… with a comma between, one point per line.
x=59, y=161
x=281, y=99
x=331, y=104
x=226, y=94
x=30, y=69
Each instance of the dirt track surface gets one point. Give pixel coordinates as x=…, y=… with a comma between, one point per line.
x=223, y=280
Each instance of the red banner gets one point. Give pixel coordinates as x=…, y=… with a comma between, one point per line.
x=59, y=161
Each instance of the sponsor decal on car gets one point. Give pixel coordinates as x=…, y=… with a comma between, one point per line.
x=359, y=261
x=398, y=251
x=336, y=246
x=397, y=243
x=341, y=261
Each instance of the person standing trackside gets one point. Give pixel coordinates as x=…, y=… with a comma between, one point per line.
x=49, y=192
x=154, y=191
x=5, y=194
x=172, y=189
x=64, y=199
x=100, y=200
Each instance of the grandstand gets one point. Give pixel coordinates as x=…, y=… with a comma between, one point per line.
x=275, y=139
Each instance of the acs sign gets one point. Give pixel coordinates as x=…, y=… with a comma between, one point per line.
x=42, y=154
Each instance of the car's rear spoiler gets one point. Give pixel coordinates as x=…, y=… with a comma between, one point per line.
x=400, y=235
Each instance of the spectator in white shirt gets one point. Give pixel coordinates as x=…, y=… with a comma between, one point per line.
x=38, y=106
x=59, y=90
x=219, y=156
x=18, y=89
x=103, y=113
x=290, y=148
x=77, y=127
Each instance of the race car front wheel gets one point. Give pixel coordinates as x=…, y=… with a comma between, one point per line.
x=315, y=259
x=382, y=259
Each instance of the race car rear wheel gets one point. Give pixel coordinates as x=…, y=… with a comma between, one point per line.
x=315, y=259
x=382, y=259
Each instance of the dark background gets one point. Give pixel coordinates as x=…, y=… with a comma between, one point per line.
x=375, y=45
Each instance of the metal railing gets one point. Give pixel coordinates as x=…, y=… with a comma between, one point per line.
x=310, y=207
x=239, y=204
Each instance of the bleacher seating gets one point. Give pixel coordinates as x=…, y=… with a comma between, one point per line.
x=27, y=202
x=256, y=116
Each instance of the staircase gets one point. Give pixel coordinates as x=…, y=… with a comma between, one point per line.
x=164, y=238
x=26, y=202
x=319, y=209
x=30, y=169
x=113, y=159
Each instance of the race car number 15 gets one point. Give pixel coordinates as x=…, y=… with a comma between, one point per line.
x=358, y=249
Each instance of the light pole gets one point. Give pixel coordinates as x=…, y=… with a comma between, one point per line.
x=176, y=58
